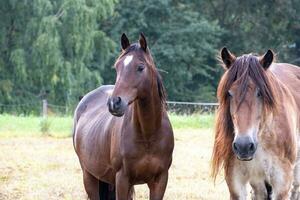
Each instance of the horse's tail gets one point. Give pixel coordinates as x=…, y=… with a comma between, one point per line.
x=106, y=191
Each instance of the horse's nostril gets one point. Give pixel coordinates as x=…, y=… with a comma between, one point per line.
x=118, y=100
x=235, y=146
x=109, y=103
x=251, y=147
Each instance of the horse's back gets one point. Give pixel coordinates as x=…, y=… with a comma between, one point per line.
x=95, y=99
x=92, y=135
x=92, y=103
x=289, y=75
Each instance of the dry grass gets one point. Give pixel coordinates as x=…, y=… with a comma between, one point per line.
x=47, y=168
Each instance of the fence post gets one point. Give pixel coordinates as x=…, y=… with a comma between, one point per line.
x=45, y=108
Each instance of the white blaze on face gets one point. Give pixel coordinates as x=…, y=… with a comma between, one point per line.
x=127, y=60
x=109, y=92
x=252, y=132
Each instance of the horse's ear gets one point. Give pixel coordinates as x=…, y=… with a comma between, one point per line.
x=143, y=42
x=124, y=41
x=267, y=59
x=227, y=57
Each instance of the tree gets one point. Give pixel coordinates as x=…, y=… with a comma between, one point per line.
x=67, y=47
x=183, y=42
x=52, y=45
x=255, y=26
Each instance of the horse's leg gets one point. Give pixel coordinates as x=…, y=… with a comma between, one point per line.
x=260, y=190
x=106, y=191
x=296, y=183
x=283, y=195
x=131, y=193
x=282, y=183
x=123, y=186
x=236, y=182
x=91, y=185
x=158, y=186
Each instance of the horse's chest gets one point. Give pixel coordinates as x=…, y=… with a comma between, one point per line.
x=145, y=167
x=263, y=167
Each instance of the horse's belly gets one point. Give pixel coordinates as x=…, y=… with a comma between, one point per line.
x=94, y=152
x=104, y=173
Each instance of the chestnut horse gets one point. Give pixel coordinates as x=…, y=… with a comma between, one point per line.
x=122, y=133
x=257, y=127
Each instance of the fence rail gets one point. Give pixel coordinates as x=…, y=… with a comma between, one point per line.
x=45, y=108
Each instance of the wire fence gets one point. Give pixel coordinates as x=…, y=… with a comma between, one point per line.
x=45, y=108
x=191, y=107
x=20, y=109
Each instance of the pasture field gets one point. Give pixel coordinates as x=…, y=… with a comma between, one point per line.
x=36, y=166
x=61, y=127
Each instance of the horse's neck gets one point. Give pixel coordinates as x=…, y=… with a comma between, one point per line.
x=147, y=115
x=286, y=110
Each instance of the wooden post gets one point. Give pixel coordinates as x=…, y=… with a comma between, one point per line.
x=45, y=108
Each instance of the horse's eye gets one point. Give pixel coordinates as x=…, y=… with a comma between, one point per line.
x=140, y=68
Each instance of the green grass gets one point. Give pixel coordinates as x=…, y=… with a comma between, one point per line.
x=21, y=126
x=196, y=121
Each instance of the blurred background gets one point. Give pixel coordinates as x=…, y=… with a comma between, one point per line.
x=60, y=49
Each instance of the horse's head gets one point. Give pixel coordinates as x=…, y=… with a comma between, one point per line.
x=248, y=94
x=134, y=67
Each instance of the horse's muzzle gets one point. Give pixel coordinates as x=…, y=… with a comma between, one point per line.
x=244, y=147
x=116, y=106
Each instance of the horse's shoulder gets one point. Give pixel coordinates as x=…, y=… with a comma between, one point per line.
x=166, y=128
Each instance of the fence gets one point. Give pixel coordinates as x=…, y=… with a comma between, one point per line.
x=45, y=108
x=191, y=107
x=35, y=108
x=17, y=109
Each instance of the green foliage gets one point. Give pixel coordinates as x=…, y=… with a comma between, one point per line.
x=255, y=26
x=183, y=43
x=65, y=48
x=52, y=47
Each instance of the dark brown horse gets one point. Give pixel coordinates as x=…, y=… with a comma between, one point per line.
x=122, y=134
x=257, y=127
